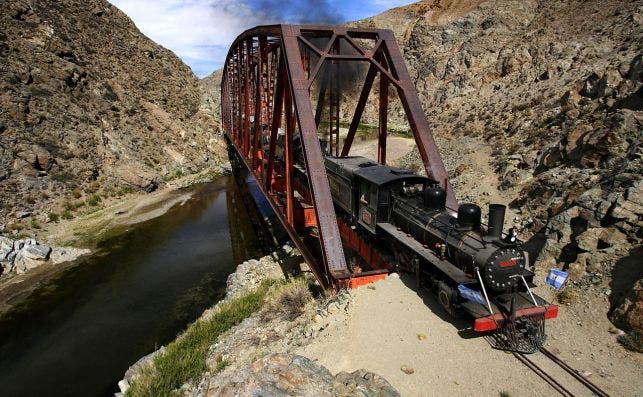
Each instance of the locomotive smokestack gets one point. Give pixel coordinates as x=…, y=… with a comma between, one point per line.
x=496, y=220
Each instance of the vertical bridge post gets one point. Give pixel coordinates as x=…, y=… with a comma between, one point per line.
x=266, y=105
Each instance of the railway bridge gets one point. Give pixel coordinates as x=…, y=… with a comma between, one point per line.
x=287, y=94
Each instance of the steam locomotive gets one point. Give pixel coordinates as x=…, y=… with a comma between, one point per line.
x=471, y=267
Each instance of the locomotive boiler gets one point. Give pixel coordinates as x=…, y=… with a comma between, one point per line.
x=471, y=267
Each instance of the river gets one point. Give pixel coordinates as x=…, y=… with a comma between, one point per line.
x=79, y=332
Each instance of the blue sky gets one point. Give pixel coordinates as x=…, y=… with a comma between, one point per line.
x=200, y=31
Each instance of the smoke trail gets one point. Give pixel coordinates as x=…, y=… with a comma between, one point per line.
x=297, y=11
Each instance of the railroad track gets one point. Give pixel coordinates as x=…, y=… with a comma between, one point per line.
x=553, y=382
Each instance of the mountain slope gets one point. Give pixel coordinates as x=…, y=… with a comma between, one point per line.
x=90, y=105
x=555, y=87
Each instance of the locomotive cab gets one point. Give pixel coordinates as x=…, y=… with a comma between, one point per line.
x=363, y=188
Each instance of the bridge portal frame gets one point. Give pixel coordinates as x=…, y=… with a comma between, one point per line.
x=268, y=75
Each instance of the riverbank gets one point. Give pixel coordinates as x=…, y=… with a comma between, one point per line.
x=87, y=233
x=245, y=344
x=387, y=328
x=83, y=326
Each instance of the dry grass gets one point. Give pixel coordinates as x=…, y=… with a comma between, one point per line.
x=632, y=341
x=288, y=301
x=566, y=296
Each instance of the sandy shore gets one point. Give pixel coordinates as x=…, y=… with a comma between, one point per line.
x=88, y=231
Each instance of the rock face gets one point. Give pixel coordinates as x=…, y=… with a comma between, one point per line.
x=20, y=256
x=89, y=102
x=556, y=88
x=291, y=375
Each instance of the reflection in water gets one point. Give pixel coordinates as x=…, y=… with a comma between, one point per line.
x=78, y=333
x=243, y=225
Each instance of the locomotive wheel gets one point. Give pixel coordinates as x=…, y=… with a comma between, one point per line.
x=447, y=298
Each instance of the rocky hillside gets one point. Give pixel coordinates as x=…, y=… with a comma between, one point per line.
x=90, y=107
x=555, y=87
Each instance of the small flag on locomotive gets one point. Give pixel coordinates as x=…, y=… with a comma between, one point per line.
x=556, y=278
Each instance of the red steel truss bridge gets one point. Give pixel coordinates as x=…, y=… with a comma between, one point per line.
x=288, y=94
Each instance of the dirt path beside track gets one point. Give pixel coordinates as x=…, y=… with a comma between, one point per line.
x=389, y=325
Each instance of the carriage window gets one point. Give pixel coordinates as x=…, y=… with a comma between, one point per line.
x=373, y=195
x=368, y=193
x=363, y=193
x=383, y=197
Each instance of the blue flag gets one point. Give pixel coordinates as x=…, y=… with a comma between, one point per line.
x=470, y=294
x=556, y=278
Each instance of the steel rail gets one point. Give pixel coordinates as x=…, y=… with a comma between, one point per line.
x=552, y=382
x=544, y=375
x=586, y=382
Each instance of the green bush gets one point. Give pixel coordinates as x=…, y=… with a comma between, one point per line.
x=174, y=175
x=67, y=214
x=566, y=296
x=124, y=190
x=35, y=224
x=94, y=200
x=53, y=217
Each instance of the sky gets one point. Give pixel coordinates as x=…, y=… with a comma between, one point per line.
x=200, y=31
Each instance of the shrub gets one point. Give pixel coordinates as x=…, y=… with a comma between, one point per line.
x=35, y=224
x=566, y=296
x=15, y=226
x=53, y=217
x=288, y=301
x=124, y=190
x=76, y=193
x=67, y=214
x=633, y=341
x=94, y=200
x=61, y=176
x=174, y=175
x=221, y=363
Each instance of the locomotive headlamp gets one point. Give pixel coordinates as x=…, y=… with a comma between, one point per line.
x=512, y=235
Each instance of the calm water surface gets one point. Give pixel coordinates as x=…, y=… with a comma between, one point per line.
x=81, y=330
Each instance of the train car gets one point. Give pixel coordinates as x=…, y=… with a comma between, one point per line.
x=471, y=267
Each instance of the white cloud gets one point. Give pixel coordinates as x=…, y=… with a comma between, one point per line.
x=196, y=30
x=200, y=31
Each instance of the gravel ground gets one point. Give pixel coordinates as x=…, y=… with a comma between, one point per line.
x=388, y=328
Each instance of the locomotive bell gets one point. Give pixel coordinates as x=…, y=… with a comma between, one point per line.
x=468, y=217
x=435, y=198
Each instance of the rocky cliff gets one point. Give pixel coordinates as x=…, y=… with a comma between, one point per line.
x=90, y=107
x=555, y=87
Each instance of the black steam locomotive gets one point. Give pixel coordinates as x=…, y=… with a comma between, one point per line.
x=472, y=268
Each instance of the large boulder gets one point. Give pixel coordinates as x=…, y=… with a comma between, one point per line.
x=6, y=246
x=629, y=314
x=282, y=375
x=30, y=256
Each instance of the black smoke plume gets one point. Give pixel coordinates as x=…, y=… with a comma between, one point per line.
x=299, y=12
